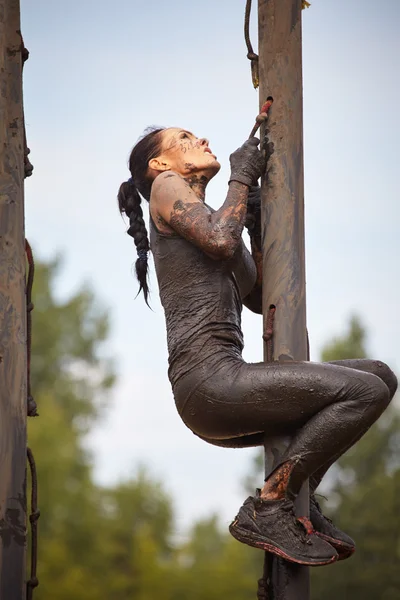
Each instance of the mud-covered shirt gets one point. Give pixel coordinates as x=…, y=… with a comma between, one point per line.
x=202, y=301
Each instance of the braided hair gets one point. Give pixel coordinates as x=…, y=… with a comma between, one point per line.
x=129, y=199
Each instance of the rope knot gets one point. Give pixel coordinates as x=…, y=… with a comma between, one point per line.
x=268, y=335
x=33, y=582
x=33, y=517
x=252, y=56
x=32, y=407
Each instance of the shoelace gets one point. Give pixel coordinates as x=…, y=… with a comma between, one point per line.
x=300, y=529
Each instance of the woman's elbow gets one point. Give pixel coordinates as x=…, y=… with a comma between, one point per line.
x=223, y=249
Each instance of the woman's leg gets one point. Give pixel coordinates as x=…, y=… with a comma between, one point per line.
x=257, y=439
x=324, y=406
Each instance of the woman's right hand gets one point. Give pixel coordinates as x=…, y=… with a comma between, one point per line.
x=247, y=163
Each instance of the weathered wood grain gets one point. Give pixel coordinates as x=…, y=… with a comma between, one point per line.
x=12, y=311
x=280, y=74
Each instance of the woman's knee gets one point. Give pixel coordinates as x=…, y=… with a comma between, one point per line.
x=375, y=367
x=374, y=392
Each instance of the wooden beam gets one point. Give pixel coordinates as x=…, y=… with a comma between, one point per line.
x=13, y=398
x=280, y=75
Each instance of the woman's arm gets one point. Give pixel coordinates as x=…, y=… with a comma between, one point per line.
x=217, y=234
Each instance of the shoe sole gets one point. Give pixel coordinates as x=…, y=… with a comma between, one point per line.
x=252, y=539
x=344, y=550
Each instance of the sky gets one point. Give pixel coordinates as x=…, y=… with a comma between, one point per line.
x=97, y=76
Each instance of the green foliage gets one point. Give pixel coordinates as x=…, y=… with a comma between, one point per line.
x=214, y=565
x=350, y=345
x=66, y=339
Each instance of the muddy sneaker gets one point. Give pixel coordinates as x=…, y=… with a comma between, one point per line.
x=327, y=531
x=273, y=527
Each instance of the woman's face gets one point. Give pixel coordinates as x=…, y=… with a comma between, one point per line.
x=186, y=154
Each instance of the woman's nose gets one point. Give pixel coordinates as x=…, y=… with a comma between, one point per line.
x=204, y=142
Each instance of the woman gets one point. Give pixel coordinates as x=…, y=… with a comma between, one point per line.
x=205, y=273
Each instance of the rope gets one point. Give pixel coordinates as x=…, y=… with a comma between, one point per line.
x=28, y=167
x=32, y=408
x=34, y=515
x=33, y=582
x=251, y=55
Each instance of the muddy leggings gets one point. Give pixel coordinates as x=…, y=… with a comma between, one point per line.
x=324, y=407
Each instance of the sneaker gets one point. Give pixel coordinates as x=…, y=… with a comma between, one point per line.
x=327, y=531
x=271, y=525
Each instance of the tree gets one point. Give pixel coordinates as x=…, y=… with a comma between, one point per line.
x=66, y=360
x=214, y=566
x=94, y=543
x=351, y=345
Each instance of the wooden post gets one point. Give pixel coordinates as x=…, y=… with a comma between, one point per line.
x=13, y=399
x=280, y=75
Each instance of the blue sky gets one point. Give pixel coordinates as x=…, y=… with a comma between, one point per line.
x=98, y=74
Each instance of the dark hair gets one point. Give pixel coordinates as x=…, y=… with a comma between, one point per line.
x=129, y=198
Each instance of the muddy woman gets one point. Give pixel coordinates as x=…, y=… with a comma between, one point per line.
x=205, y=275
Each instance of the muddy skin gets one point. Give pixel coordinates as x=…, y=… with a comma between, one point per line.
x=197, y=183
x=161, y=223
x=221, y=232
x=277, y=483
x=184, y=143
